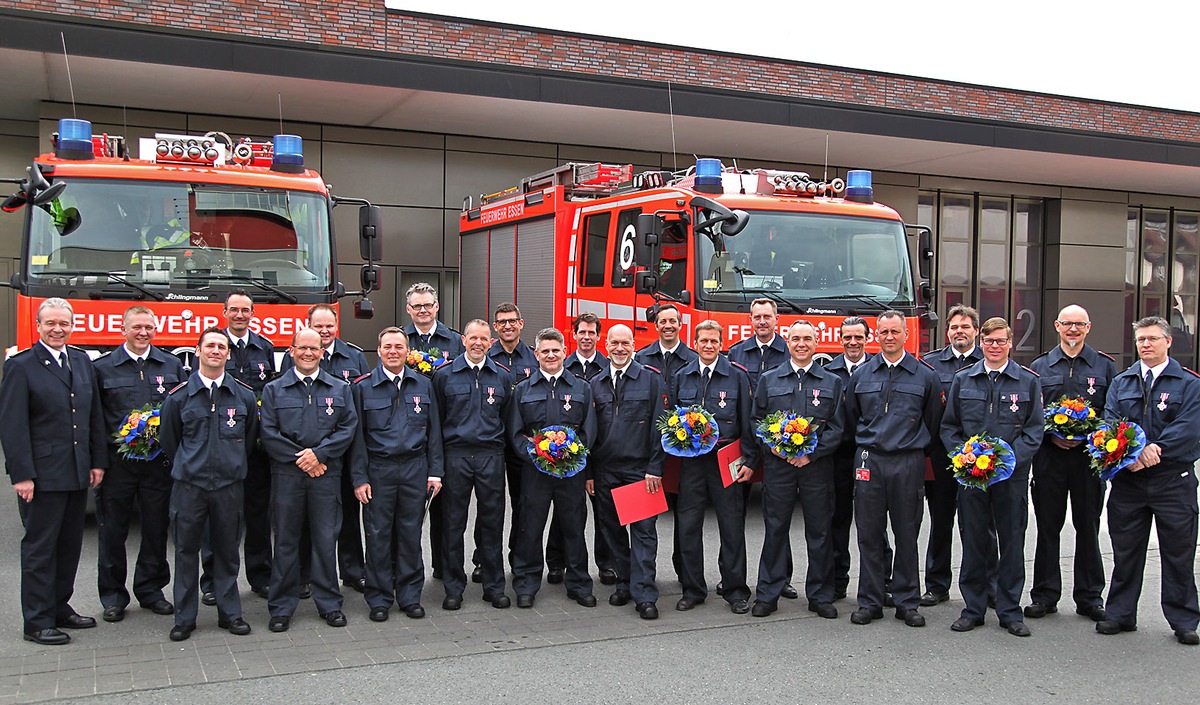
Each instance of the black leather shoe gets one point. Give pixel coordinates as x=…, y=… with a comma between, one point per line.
x=358, y=585
x=1016, y=628
x=159, y=607
x=477, y=575
x=554, y=576
x=620, y=598
x=966, y=624
x=379, y=614
x=1112, y=626
x=113, y=614
x=720, y=589
x=1095, y=613
x=236, y=627
x=912, y=618
x=739, y=606
x=413, y=611
x=825, y=610
x=76, y=621
x=608, y=576
x=1183, y=636
x=500, y=601
x=53, y=637
x=179, y=632
x=336, y=618
x=587, y=600
x=686, y=603
x=991, y=602
x=863, y=615
x=647, y=610
x=930, y=599
x=525, y=601
x=790, y=593
x=279, y=623
x=888, y=600
x=437, y=573
x=837, y=595
x=452, y=602
x=260, y=590
x=1037, y=610
x=762, y=609
x=305, y=591
x=208, y=598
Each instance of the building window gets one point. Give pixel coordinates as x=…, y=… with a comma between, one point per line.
x=1161, y=277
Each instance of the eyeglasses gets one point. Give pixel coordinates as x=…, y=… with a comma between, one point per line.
x=422, y=307
x=1149, y=339
x=1074, y=324
x=506, y=322
x=306, y=348
x=994, y=342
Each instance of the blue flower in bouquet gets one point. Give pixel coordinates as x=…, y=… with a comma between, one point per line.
x=137, y=438
x=688, y=431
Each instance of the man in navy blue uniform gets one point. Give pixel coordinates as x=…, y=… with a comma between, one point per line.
x=941, y=491
x=209, y=424
x=585, y=363
x=514, y=355
x=346, y=362
x=427, y=334
x=396, y=463
x=668, y=354
x=308, y=423
x=551, y=397
x=629, y=398
x=473, y=395
x=251, y=362
x=130, y=377
x=52, y=430
x=853, y=337
x=892, y=406
x=999, y=398
x=723, y=389
x=1162, y=397
x=1061, y=469
x=805, y=388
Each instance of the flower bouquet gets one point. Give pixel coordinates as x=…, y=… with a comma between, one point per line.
x=556, y=451
x=1071, y=419
x=425, y=362
x=1114, y=446
x=688, y=431
x=787, y=434
x=982, y=461
x=137, y=439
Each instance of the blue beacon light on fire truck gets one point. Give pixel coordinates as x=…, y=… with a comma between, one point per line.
x=858, y=186
x=708, y=175
x=288, y=154
x=74, y=139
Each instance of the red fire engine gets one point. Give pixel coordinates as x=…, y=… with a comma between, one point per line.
x=178, y=229
x=595, y=237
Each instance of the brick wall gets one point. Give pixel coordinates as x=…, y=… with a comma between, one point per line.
x=367, y=25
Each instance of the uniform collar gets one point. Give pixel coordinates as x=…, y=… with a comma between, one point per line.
x=1086, y=353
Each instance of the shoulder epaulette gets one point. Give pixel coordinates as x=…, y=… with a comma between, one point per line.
x=501, y=366
x=76, y=347
x=740, y=366
x=1104, y=354
x=177, y=387
x=922, y=361
x=352, y=345
x=1194, y=373
x=248, y=387
x=102, y=355
x=653, y=369
x=1045, y=354
x=360, y=378
x=1030, y=371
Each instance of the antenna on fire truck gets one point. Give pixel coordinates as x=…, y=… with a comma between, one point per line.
x=825, y=174
x=671, y=109
x=70, y=83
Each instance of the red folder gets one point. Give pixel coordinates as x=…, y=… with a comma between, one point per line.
x=730, y=462
x=928, y=470
x=671, y=474
x=634, y=503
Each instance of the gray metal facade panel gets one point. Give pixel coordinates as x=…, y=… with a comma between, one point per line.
x=473, y=269
x=535, y=274
x=502, y=274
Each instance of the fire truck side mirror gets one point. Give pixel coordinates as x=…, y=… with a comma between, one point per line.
x=364, y=309
x=649, y=234
x=646, y=282
x=368, y=276
x=735, y=223
x=370, y=233
x=925, y=253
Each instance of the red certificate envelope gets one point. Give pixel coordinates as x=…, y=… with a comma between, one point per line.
x=928, y=470
x=671, y=474
x=730, y=462
x=634, y=503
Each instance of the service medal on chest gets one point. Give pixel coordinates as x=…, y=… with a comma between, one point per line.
x=1162, y=402
x=491, y=395
x=231, y=423
x=329, y=406
x=417, y=404
x=1091, y=385
x=816, y=397
x=722, y=402
x=566, y=402
x=160, y=389
x=1014, y=406
x=262, y=371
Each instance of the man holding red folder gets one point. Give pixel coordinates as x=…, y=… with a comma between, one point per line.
x=628, y=397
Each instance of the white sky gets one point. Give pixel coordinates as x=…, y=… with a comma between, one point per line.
x=1143, y=53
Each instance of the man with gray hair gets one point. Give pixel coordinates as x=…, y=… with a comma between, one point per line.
x=1162, y=397
x=52, y=431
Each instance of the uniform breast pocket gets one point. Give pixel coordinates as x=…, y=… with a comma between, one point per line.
x=1052, y=386
x=232, y=421
x=1014, y=407
x=636, y=407
x=331, y=410
x=908, y=400
x=972, y=408
x=779, y=396
x=1129, y=403
x=120, y=393
x=533, y=407
x=377, y=413
x=458, y=398
x=869, y=397
x=723, y=403
x=821, y=402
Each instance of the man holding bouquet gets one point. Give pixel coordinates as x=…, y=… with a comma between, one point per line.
x=892, y=406
x=1001, y=401
x=1073, y=371
x=1162, y=397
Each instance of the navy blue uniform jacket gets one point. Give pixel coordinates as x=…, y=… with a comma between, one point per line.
x=293, y=419
x=205, y=448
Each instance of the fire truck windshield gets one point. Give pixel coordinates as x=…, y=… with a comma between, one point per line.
x=155, y=235
x=807, y=257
